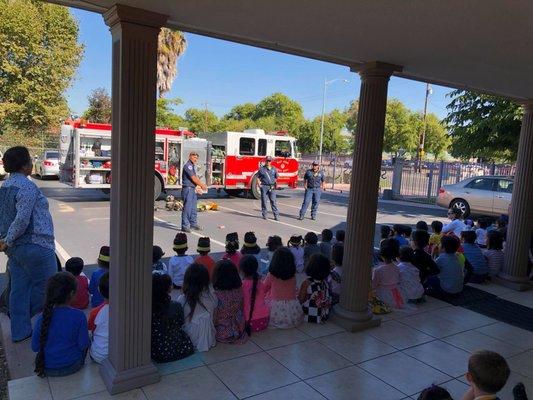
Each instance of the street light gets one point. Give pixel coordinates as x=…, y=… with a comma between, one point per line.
x=326, y=83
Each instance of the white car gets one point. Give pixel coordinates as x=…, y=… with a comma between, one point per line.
x=480, y=195
x=47, y=164
x=2, y=170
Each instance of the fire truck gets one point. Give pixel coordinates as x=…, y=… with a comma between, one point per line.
x=227, y=160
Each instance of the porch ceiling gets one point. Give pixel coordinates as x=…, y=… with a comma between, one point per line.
x=485, y=45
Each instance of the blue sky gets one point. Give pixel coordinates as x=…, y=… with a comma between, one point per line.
x=224, y=74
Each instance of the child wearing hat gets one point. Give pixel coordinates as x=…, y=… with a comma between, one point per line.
x=103, y=267
x=295, y=246
x=203, y=248
x=75, y=265
x=158, y=266
x=250, y=245
x=232, y=248
x=179, y=263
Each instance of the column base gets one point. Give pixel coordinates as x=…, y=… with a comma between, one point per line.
x=354, y=321
x=118, y=382
x=512, y=282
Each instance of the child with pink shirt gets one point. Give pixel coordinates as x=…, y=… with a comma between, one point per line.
x=232, y=248
x=386, y=276
x=256, y=311
x=280, y=286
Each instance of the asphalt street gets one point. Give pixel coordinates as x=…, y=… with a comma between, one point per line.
x=81, y=219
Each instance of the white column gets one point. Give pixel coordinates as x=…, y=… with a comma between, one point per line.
x=352, y=311
x=514, y=274
x=134, y=35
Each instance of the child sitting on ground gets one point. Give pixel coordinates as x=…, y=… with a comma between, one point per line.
x=295, y=245
x=325, y=244
x=487, y=374
x=385, y=232
x=422, y=226
x=434, y=392
x=103, y=267
x=386, y=276
x=203, y=249
x=60, y=337
x=199, y=302
x=475, y=257
x=421, y=259
x=494, y=253
x=339, y=236
x=256, y=312
x=75, y=266
x=311, y=245
x=229, y=313
x=169, y=341
x=481, y=233
x=250, y=245
x=335, y=276
x=398, y=233
x=410, y=286
x=314, y=292
x=158, y=266
x=232, y=248
x=450, y=278
x=273, y=243
x=178, y=264
x=434, y=239
x=280, y=287
x=99, y=323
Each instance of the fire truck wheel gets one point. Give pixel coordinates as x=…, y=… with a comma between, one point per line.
x=158, y=187
x=254, y=190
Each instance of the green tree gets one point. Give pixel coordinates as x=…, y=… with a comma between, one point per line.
x=401, y=131
x=483, y=126
x=171, y=45
x=287, y=113
x=165, y=116
x=333, y=140
x=39, y=54
x=99, y=106
x=241, y=112
x=198, y=120
x=437, y=140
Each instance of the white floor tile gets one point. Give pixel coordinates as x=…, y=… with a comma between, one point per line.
x=522, y=364
x=357, y=347
x=223, y=351
x=296, y=391
x=84, y=382
x=399, y=335
x=319, y=330
x=509, y=334
x=442, y=356
x=271, y=338
x=26, y=388
x=473, y=340
x=136, y=394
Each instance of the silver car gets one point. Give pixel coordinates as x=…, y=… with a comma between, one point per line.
x=47, y=164
x=481, y=195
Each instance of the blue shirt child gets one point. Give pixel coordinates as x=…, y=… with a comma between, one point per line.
x=475, y=257
x=96, y=297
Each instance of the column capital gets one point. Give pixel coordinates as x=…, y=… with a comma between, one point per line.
x=376, y=68
x=527, y=104
x=122, y=13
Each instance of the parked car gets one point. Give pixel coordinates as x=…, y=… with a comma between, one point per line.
x=2, y=170
x=47, y=164
x=481, y=195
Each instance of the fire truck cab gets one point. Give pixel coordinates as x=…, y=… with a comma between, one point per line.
x=235, y=158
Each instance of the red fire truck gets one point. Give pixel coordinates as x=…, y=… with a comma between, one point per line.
x=227, y=160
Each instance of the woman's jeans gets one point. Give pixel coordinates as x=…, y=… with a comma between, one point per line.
x=30, y=266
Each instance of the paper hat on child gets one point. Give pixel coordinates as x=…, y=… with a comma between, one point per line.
x=103, y=256
x=157, y=252
x=180, y=241
x=204, y=244
x=296, y=239
x=250, y=240
x=232, y=237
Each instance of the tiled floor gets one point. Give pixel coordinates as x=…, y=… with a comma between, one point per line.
x=409, y=351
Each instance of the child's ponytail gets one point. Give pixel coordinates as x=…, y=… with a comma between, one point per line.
x=45, y=324
x=247, y=326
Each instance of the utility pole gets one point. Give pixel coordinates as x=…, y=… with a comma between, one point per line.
x=420, y=152
x=205, y=116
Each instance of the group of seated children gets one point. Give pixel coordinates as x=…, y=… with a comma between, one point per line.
x=222, y=301
x=415, y=262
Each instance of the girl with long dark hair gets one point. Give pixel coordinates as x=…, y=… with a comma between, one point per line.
x=256, y=312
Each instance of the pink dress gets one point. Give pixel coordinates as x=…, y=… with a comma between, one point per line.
x=234, y=258
x=285, y=309
x=261, y=312
x=385, y=281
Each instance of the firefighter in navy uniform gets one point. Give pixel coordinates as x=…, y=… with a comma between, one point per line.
x=267, y=177
x=190, y=182
x=313, y=185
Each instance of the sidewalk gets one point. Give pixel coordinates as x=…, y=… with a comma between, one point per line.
x=408, y=352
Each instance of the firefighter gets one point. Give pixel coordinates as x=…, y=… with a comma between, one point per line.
x=313, y=185
x=267, y=176
x=190, y=182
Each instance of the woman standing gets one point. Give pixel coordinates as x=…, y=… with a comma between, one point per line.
x=27, y=237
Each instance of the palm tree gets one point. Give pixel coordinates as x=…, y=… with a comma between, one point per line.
x=171, y=45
